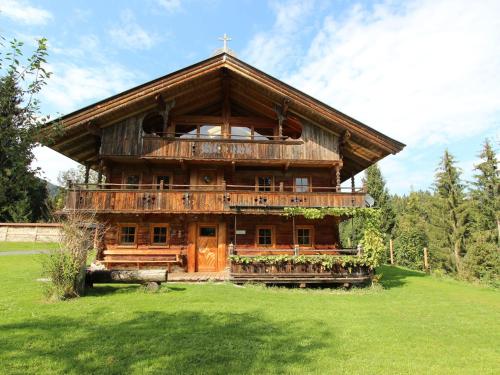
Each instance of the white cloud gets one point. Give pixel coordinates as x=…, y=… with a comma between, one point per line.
x=130, y=34
x=21, y=11
x=273, y=50
x=169, y=5
x=73, y=85
x=425, y=72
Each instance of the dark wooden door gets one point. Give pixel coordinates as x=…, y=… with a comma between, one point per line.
x=207, y=246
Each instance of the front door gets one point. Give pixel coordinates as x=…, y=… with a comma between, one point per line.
x=207, y=246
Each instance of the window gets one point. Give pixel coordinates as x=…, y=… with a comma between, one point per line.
x=162, y=181
x=132, y=181
x=265, y=183
x=250, y=132
x=302, y=184
x=186, y=131
x=263, y=134
x=304, y=236
x=265, y=236
x=159, y=235
x=208, y=232
x=241, y=132
x=210, y=131
x=153, y=124
x=128, y=234
x=199, y=131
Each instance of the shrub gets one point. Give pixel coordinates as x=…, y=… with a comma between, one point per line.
x=65, y=266
x=482, y=262
x=409, y=247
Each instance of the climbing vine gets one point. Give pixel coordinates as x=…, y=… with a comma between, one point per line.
x=372, y=241
x=326, y=261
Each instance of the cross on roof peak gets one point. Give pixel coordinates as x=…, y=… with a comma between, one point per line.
x=225, y=39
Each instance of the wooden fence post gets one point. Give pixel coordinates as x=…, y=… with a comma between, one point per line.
x=426, y=260
x=391, y=250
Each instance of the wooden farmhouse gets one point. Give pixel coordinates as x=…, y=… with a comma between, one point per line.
x=200, y=164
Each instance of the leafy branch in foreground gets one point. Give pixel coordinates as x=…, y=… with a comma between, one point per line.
x=22, y=194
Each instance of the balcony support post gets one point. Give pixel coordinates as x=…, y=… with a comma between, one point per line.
x=87, y=173
x=337, y=178
x=235, y=231
x=99, y=171
x=282, y=113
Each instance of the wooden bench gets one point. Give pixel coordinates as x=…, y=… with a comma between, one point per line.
x=142, y=257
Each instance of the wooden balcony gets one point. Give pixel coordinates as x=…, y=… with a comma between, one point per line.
x=230, y=149
x=109, y=198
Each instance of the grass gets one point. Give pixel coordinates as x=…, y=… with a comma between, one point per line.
x=27, y=246
x=415, y=324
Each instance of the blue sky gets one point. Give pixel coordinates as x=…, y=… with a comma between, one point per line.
x=424, y=72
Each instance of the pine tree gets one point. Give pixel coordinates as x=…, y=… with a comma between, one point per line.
x=351, y=230
x=410, y=231
x=486, y=195
x=453, y=216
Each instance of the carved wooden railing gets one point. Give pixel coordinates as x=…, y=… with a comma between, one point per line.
x=221, y=199
x=234, y=149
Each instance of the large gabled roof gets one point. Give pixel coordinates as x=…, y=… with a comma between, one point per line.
x=200, y=84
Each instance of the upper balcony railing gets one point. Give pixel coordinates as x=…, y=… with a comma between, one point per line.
x=233, y=147
x=108, y=198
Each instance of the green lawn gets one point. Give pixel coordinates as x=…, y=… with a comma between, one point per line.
x=416, y=325
x=25, y=246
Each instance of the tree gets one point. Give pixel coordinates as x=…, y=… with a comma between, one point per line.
x=76, y=176
x=411, y=230
x=486, y=196
x=351, y=230
x=375, y=185
x=453, y=213
x=482, y=262
x=22, y=194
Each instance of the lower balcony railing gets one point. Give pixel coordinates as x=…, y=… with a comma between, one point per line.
x=223, y=199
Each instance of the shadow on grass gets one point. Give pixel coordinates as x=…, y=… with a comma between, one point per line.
x=101, y=290
x=158, y=342
x=393, y=277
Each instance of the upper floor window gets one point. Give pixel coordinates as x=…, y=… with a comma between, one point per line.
x=199, y=131
x=153, y=124
x=132, y=181
x=251, y=132
x=302, y=184
x=265, y=183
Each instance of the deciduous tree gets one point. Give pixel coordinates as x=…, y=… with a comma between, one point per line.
x=22, y=194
